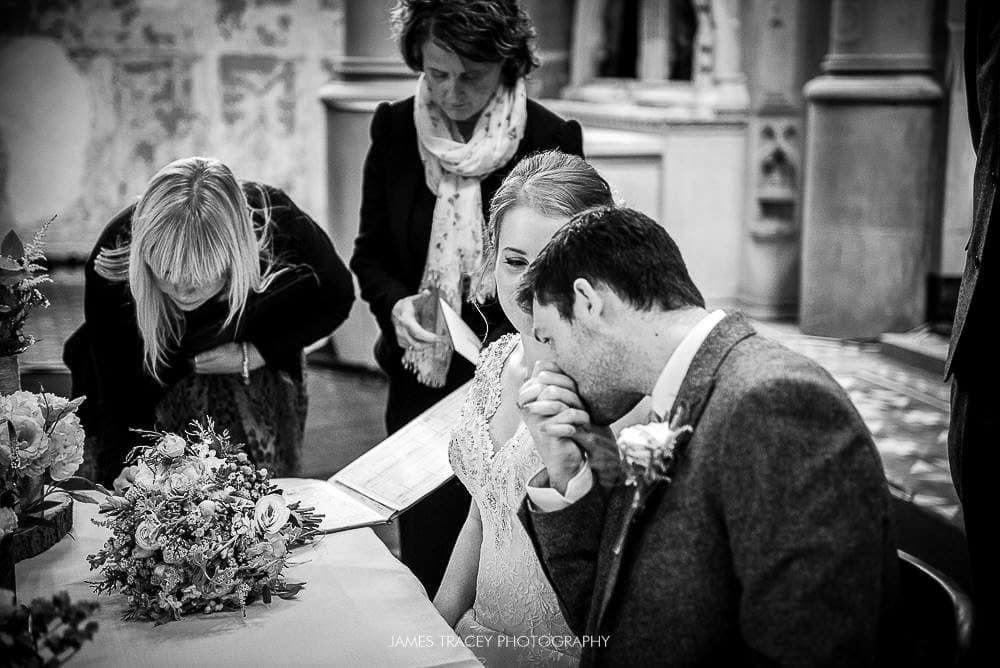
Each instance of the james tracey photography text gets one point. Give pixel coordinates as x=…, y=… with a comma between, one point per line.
x=473, y=640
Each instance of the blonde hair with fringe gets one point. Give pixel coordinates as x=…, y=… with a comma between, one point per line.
x=191, y=224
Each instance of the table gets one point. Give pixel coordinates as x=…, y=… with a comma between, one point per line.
x=360, y=607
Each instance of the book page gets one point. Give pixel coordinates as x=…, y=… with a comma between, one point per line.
x=342, y=508
x=463, y=339
x=411, y=463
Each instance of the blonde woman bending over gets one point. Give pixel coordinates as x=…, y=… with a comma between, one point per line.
x=199, y=301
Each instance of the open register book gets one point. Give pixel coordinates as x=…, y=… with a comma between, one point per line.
x=382, y=483
x=404, y=468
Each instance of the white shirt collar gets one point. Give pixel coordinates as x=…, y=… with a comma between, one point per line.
x=669, y=383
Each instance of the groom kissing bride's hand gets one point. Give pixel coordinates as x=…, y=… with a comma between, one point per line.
x=563, y=433
x=764, y=537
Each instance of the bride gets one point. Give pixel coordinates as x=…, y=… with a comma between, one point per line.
x=494, y=588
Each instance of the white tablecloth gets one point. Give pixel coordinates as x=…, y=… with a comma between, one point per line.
x=360, y=607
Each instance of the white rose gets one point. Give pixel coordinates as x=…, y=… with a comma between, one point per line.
x=67, y=440
x=638, y=443
x=171, y=445
x=183, y=475
x=271, y=513
x=22, y=404
x=147, y=535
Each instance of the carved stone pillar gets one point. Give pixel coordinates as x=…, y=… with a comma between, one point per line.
x=371, y=70
x=870, y=178
x=787, y=39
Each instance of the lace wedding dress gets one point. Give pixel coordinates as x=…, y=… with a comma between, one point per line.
x=515, y=619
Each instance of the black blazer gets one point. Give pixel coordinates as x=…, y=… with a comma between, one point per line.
x=971, y=351
x=397, y=208
x=105, y=355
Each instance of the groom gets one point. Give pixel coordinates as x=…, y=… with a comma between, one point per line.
x=770, y=543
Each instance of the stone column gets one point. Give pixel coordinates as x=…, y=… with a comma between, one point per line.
x=870, y=178
x=370, y=71
x=786, y=40
x=553, y=21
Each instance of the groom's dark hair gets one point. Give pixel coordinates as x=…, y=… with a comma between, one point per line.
x=619, y=248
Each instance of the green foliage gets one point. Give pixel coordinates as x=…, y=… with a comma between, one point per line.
x=20, y=277
x=46, y=632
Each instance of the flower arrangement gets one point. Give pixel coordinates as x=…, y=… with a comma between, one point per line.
x=47, y=632
x=647, y=455
x=196, y=528
x=41, y=447
x=647, y=451
x=20, y=276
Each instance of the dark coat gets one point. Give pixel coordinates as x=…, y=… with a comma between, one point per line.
x=973, y=353
x=105, y=355
x=397, y=208
x=773, y=543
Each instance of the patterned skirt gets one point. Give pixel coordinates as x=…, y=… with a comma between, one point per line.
x=268, y=416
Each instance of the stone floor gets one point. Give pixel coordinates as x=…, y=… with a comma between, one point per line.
x=905, y=406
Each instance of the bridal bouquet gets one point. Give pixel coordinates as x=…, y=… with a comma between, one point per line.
x=196, y=528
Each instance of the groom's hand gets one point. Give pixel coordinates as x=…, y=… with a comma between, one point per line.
x=553, y=412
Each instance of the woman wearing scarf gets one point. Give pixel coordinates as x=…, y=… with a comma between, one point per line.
x=435, y=161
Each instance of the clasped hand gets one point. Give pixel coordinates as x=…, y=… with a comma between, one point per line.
x=560, y=425
x=227, y=358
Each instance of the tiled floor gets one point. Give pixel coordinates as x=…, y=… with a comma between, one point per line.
x=905, y=407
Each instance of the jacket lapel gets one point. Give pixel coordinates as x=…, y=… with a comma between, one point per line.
x=694, y=393
x=699, y=382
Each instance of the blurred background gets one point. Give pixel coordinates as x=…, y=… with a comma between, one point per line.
x=811, y=158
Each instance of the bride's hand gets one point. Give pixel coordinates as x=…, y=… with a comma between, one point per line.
x=553, y=412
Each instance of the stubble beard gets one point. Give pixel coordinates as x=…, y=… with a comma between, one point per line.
x=605, y=392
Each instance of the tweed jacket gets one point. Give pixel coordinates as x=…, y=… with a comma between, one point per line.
x=772, y=543
x=397, y=207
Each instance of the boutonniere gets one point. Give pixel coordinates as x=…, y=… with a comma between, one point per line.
x=647, y=455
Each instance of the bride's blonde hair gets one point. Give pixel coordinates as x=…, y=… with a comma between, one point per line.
x=551, y=183
x=192, y=223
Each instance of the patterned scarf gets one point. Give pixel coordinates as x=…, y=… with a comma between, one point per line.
x=453, y=170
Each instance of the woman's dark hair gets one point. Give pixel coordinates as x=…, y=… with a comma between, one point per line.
x=483, y=31
x=616, y=247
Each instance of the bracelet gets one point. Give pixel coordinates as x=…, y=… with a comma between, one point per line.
x=246, y=364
